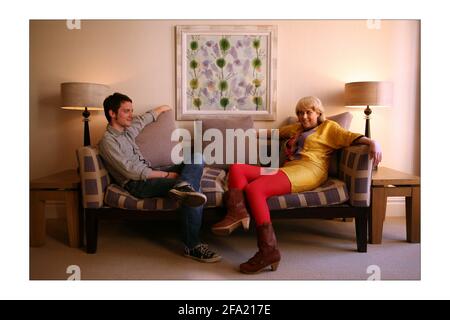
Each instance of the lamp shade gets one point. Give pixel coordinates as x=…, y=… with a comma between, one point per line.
x=368, y=93
x=81, y=95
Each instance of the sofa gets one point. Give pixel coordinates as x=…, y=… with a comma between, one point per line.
x=346, y=194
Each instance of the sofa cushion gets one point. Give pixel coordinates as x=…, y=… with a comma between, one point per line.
x=332, y=192
x=93, y=175
x=221, y=125
x=212, y=185
x=154, y=140
x=118, y=197
x=344, y=119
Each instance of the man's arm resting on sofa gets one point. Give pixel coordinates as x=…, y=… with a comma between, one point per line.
x=162, y=174
x=139, y=122
x=157, y=111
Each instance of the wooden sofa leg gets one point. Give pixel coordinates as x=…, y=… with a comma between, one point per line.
x=91, y=231
x=361, y=225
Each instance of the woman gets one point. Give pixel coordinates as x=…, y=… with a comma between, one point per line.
x=311, y=142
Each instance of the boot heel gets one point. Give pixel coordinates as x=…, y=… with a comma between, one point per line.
x=274, y=266
x=246, y=224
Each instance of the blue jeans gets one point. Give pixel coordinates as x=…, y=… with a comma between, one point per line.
x=191, y=218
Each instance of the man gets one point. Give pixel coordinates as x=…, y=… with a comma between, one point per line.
x=125, y=163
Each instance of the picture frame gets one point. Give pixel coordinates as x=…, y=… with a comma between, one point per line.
x=226, y=71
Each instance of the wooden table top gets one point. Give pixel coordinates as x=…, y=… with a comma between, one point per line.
x=68, y=179
x=386, y=176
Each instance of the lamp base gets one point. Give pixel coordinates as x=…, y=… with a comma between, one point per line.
x=87, y=139
x=367, y=112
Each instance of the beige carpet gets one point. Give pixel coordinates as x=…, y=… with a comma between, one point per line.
x=311, y=250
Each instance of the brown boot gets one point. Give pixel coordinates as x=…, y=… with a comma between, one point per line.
x=237, y=213
x=268, y=254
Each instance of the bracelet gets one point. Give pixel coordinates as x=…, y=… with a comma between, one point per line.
x=167, y=175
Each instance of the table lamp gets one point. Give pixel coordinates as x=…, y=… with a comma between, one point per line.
x=366, y=94
x=84, y=97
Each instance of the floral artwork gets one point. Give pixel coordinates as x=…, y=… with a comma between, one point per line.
x=225, y=73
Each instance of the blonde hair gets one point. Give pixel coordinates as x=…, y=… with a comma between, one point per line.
x=313, y=103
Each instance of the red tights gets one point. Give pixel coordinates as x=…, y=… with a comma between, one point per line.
x=258, y=188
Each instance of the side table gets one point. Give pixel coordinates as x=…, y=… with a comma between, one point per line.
x=63, y=186
x=388, y=182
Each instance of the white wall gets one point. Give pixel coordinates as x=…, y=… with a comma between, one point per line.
x=315, y=57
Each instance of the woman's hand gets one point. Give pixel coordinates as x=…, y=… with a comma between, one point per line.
x=374, y=149
x=375, y=152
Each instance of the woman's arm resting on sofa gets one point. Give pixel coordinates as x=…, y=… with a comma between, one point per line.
x=374, y=149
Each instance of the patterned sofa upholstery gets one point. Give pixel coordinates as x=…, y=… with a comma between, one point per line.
x=352, y=186
x=345, y=194
x=212, y=185
x=352, y=190
x=98, y=191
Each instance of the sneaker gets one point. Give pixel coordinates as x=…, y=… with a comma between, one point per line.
x=201, y=253
x=187, y=195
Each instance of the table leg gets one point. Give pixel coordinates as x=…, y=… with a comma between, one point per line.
x=379, y=199
x=413, y=216
x=73, y=219
x=37, y=220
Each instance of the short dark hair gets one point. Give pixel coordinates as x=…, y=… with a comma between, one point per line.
x=113, y=103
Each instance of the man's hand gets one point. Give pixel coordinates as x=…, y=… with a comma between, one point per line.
x=161, y=109
x=154, y=174
x=173, y=175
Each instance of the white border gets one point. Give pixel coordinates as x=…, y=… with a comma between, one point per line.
x=434, y=175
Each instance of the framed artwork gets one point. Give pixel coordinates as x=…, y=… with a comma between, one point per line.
x=226, y=71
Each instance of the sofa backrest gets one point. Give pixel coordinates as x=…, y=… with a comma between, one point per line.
x=94, y=177
x=244, y=123
x=156, y=146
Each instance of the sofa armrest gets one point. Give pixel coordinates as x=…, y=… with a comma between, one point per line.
x=93, y=175
x=355, y=169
